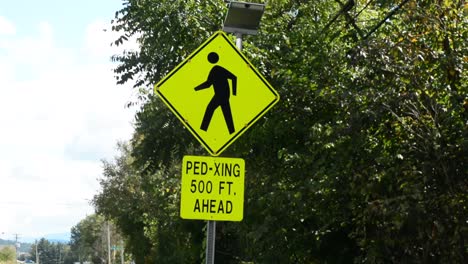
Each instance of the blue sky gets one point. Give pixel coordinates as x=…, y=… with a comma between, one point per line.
x=61, y=112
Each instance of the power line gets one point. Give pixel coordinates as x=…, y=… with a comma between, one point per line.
x=388, y=16
x=41, y=203
x=364, y=8
x=344, y=9
x=352, y=20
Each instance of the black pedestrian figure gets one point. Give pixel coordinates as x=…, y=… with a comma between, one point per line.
x=218, y=77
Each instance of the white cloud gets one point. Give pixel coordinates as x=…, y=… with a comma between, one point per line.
x=6, y=27
x=61, y=113
x=99, y=38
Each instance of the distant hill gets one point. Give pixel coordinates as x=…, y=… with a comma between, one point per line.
x=26, y=242
x=62, y=237
x=6, y=242
x=56, y=238
x=24, y=247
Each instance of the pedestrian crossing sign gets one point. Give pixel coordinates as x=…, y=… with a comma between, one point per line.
x=217, y=93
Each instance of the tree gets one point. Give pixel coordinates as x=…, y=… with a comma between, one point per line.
x=361, y=161
x=144, y=206
x=50, y=253
x=89, y=239
x=7, y=255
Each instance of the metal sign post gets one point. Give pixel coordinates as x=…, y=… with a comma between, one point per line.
x=211, y=230
x=210, y=242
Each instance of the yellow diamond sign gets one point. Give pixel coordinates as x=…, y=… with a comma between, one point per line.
x=217, y=93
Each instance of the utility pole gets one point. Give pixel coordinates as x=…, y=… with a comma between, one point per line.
x=108, y=243
x=121, y=252
x=37, y=254
x=16, y=244
x=60, y=254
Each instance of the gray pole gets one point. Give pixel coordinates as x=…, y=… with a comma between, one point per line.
x=211, y=230
x=108, y=243
x=210, y=243
x=239, y=41
x=121, y=252
x=16, y=246
x=37, y=254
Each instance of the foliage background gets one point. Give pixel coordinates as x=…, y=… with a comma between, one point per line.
x=362, y=161
x=7, y=255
